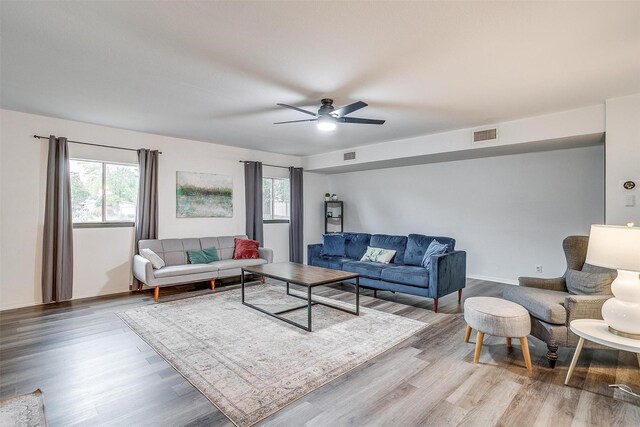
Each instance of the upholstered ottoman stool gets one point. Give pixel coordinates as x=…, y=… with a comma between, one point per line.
x=500, y=318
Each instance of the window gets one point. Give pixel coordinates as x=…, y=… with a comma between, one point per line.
x=275, y=199
x=103, y=194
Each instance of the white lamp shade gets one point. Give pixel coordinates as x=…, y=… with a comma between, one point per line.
x=615, y=247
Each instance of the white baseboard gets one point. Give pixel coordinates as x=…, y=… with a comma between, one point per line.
x=493, y=279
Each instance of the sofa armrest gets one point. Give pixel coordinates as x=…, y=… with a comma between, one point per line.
x=266, y=253
x=448, y=273
x=557, y=284
x=313, y=251
x=142, y=269
x=584, y=306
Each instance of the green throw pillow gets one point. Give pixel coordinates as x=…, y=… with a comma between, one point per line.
x=204, y=256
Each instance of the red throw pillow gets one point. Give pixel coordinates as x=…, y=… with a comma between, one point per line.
x=246, y=249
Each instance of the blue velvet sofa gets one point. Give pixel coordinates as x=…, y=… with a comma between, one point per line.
x=405, y=272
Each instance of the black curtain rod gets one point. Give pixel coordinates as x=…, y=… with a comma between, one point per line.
x=92, y=144
x=267, y=164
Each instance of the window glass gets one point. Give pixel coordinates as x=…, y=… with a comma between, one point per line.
x=121, y=192
x=86, y=191
x=276, y=198
x=103, y=192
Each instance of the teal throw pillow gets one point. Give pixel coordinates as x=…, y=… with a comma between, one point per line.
x=435, y=248
x=204, y=256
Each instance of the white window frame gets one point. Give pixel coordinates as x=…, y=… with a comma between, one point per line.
x=104, y=223
x=276, y=221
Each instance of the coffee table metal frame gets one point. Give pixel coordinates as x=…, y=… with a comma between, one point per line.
x=310, y=301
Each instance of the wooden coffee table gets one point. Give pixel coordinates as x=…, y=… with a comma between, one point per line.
x=302, y=275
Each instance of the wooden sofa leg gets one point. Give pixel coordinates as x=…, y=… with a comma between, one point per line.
x=435, y=305
x=213, y=284
x=375, y=293
x=459, y=296
x=156, y=293
x=264, y=279
x=552, y=355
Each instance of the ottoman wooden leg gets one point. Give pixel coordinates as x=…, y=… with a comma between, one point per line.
x=525, y=350
x=508, y=342
x=467, y=334
x=479, y=338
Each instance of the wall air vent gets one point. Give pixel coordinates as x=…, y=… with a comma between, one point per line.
x=351, y=155
x=485, y=135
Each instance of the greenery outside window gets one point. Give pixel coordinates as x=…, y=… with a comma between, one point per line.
x=275, y=200
x=103, y=194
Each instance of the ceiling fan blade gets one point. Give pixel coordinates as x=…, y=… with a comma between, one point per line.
x=296, y=121
x=348, y=109
x=297, y=109
x=361, y=121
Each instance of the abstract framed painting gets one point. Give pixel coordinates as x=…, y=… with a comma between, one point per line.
x=203, y=195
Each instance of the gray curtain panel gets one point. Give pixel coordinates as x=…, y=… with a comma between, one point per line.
x=147, y=209
x=57, y=249
x=295, y=218
x=253, y=200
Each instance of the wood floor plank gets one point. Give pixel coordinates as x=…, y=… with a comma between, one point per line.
x=95, y=371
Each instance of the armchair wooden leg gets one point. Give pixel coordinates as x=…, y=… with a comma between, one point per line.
x=479, y=338
x=459, y=296
x=552, y=355
x=509, y=342
x=156, y=293
x=435, y=305
x=467, y=334
x=264, y=279
x=525, y=350
x=213, y=284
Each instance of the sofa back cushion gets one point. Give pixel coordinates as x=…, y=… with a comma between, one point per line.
x=417, y=245
x=174, y=251
x=397, y=243
x=356, y=244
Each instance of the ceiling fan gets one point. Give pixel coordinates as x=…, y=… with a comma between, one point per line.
x=327, y=116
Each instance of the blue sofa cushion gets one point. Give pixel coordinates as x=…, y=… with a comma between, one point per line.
x=356, y=244
x=334, y=263
x=372, y=270
x=417, y=245
x=407, y=274
x=397, y=243
x=435, y=248
x=334, y=245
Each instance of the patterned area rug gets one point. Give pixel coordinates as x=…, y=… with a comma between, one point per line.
x=251, y=365
x=26, y=410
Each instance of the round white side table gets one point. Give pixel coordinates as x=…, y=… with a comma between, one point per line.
x=598, y=332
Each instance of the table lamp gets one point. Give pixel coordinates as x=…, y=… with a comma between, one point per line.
x=618, y=247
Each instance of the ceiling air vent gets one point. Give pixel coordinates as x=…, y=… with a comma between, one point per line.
x=351, y=155
x=485, y=135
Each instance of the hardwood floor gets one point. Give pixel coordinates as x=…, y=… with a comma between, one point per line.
x=95, y=371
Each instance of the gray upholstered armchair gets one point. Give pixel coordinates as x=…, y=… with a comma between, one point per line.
x=554, y=303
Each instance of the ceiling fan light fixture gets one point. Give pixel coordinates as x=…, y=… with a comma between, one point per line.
x=326, y=124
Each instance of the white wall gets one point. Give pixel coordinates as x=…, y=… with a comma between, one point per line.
x=549, y=127
x=102, y=256
x=509, y=213
x=622, y=158
x=315, y=186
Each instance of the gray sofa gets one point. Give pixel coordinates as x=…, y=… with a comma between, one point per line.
x=552, y=306
x=178, y=270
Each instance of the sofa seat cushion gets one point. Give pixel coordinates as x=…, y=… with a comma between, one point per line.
x=227, y=264
x=332, y=262
x=183, y=270
x=372, y=270
x=407, y=275
x=542, y=304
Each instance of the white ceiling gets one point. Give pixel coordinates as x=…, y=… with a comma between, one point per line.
x=213, y=71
